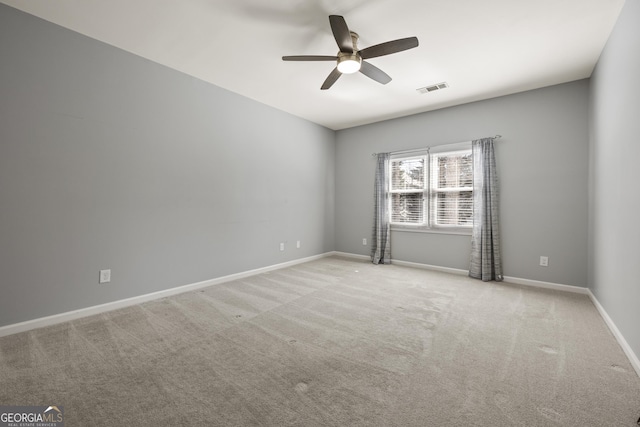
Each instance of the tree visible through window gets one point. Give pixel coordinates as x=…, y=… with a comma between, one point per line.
x=432, y=190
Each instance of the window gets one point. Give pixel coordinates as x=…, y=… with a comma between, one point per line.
x=432, y=190
x=452, y=189
x=408, y=189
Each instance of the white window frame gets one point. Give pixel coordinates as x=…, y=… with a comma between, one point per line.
x=429, y=224
x=425, y=190
x=434, y=190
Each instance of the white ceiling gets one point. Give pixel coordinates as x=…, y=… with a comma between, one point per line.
x=481, y=48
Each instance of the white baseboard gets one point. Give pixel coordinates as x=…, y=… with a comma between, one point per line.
x=405, y=263
x=102, y=308
x=546, y=285
x=461, y=272
x=633, y=358
x=350, y=255
x=449, y=270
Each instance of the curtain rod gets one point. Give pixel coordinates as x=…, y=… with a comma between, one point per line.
x=426, y=148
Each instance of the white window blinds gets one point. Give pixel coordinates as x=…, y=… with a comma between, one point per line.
x=408, y=187
x=451, y=192
x=432, y=189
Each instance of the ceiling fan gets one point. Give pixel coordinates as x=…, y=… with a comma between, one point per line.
x=350, y=59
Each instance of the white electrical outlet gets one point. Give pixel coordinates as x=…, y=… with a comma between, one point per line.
x=282, y=246
x=544, y=261
x=298, y=244
x=105, y=276
x=364, y=242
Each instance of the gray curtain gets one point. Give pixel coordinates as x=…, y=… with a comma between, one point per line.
x=486, y=261
x=380, y=242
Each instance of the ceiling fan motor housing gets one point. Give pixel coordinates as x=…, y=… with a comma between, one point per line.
x=350, y=62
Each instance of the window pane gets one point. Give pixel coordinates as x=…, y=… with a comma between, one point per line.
x=453, y=171
x=466, y=170
x=408, y=174
x=407, y=208
x=451, y=185
x=454, y=208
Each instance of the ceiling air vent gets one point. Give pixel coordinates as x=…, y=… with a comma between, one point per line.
x=432, y=88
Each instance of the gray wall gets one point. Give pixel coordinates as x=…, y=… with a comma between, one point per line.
x=543, y=164
x=108, y=160
x=614, y=202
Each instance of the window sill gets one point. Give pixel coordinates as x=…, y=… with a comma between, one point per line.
x=453, y=231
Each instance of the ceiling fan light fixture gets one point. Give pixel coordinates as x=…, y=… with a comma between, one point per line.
x=349, y=63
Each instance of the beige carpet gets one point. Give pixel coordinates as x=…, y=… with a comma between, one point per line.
x=334, y=342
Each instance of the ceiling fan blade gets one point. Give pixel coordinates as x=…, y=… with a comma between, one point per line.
x=374, y=73
x=389, y=47
x=341, y=33
x=309, y=58
x=335, y=75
